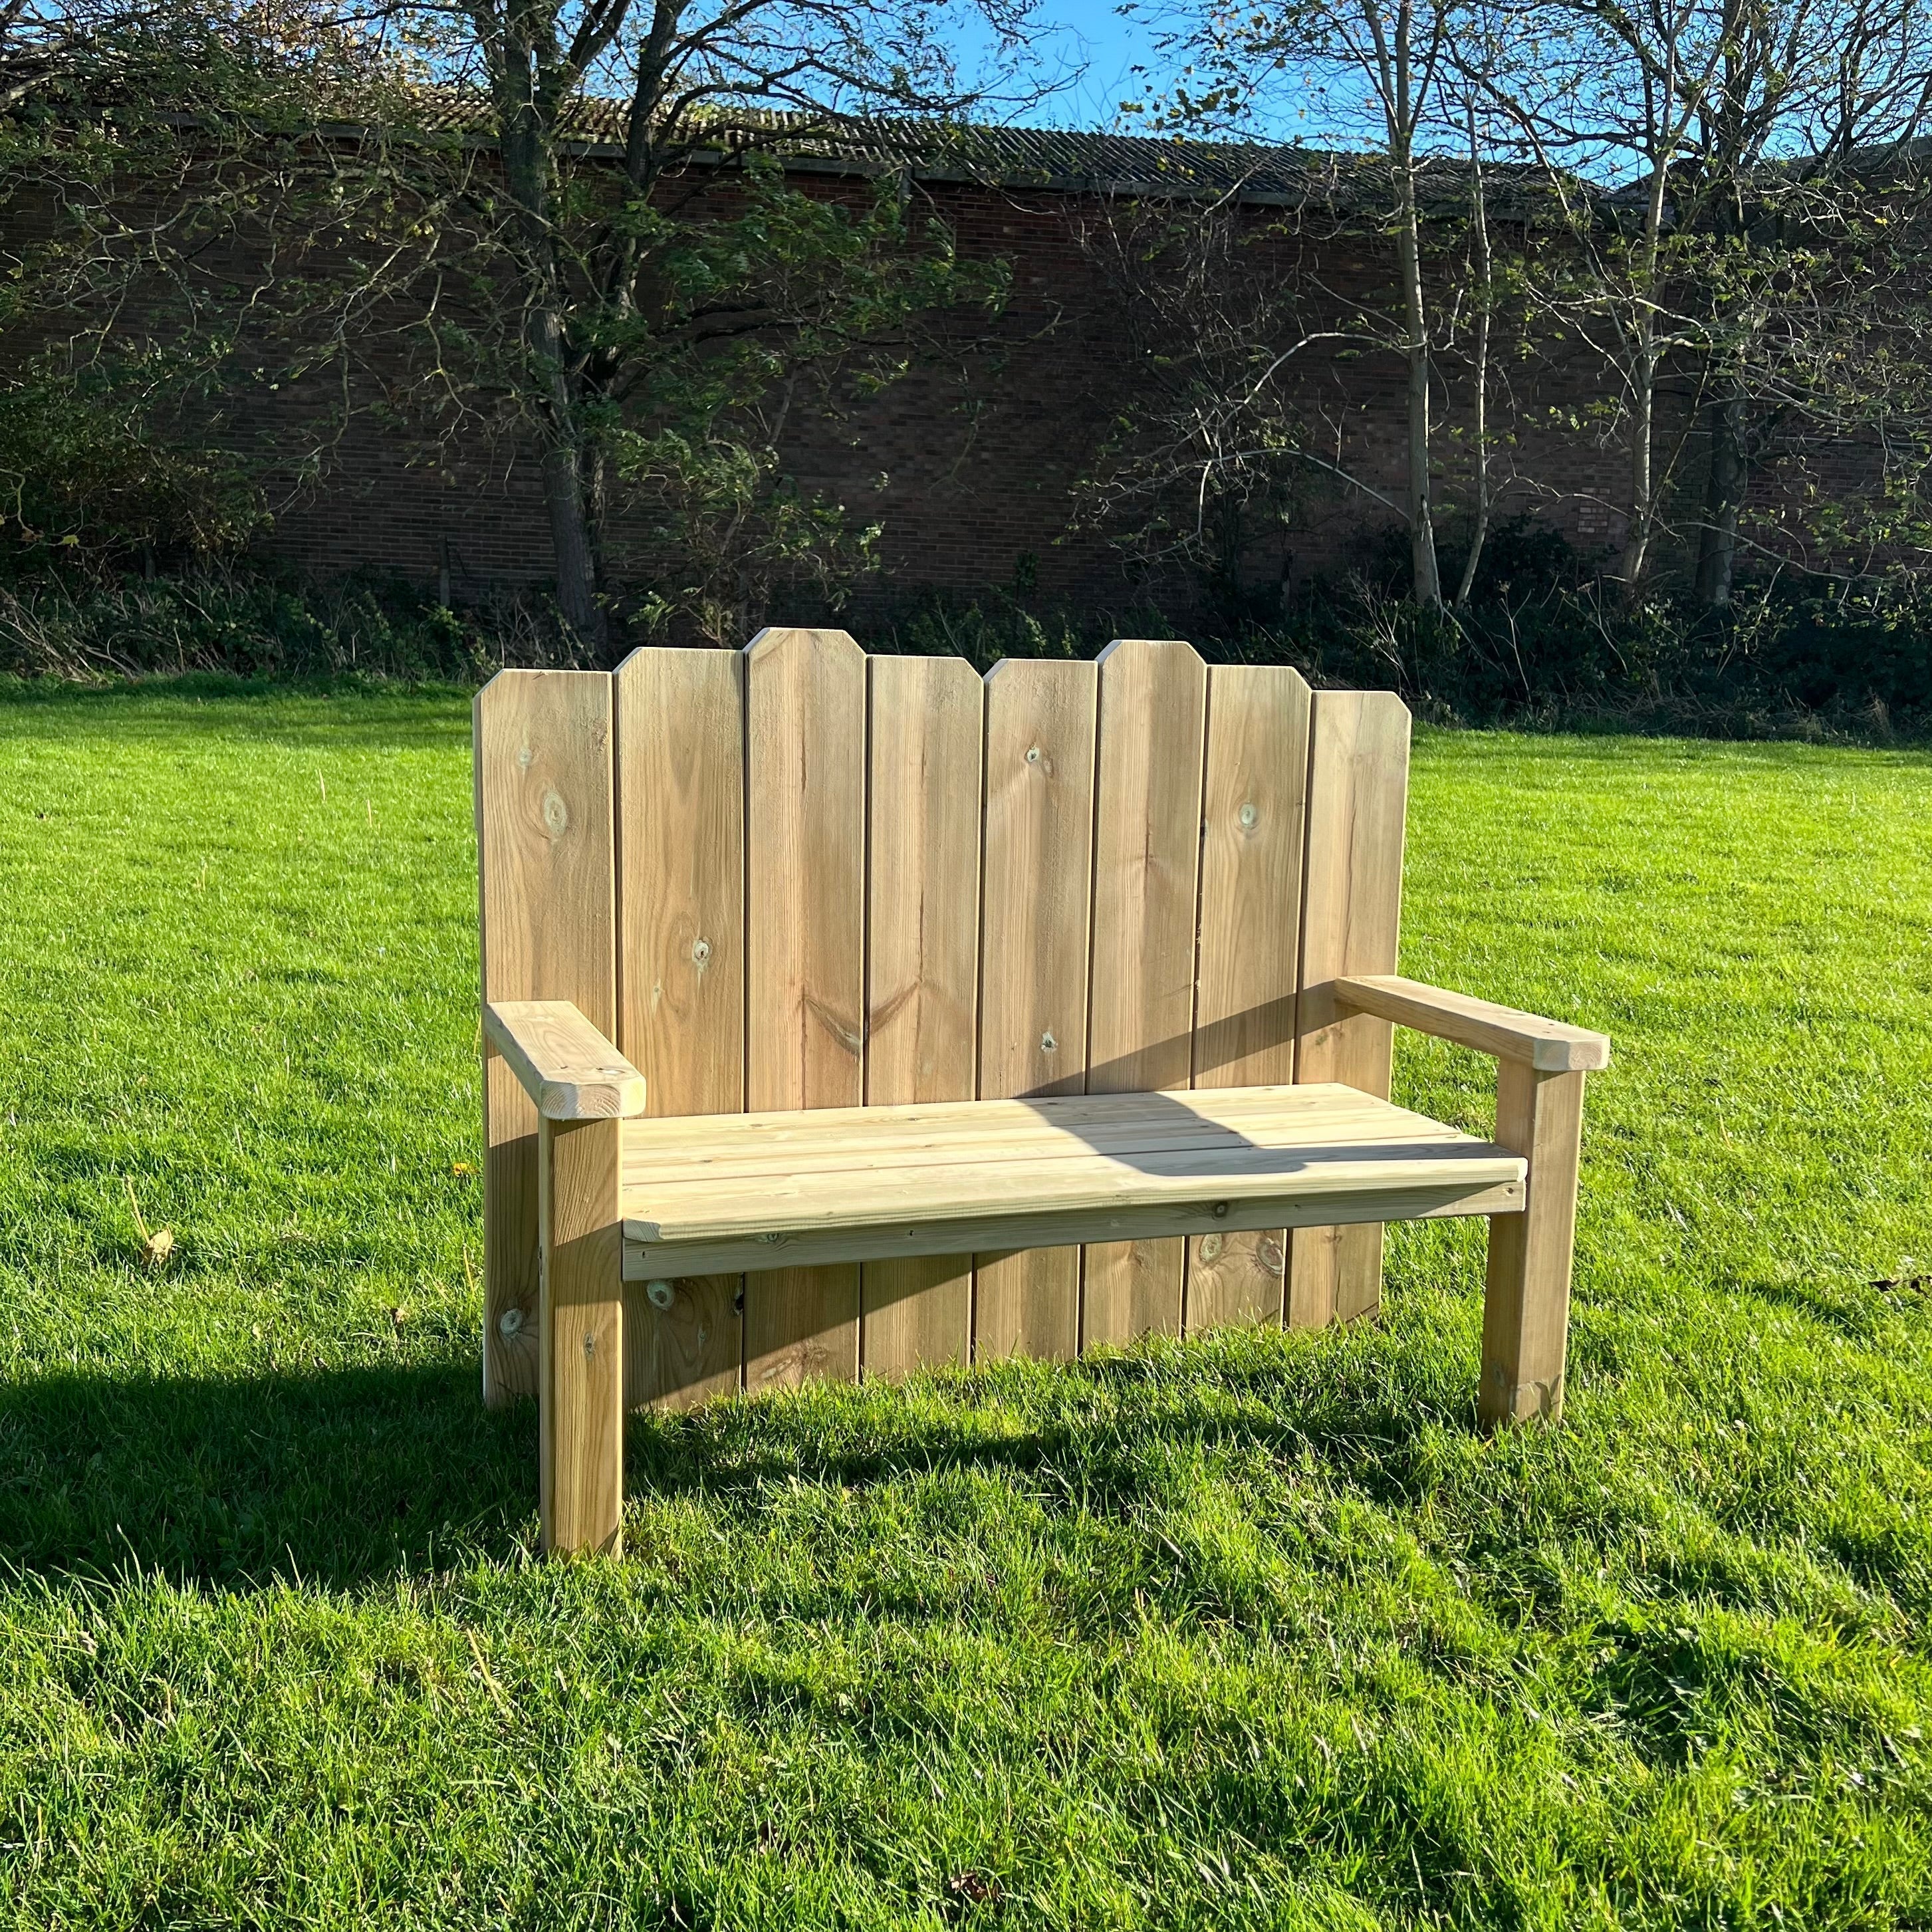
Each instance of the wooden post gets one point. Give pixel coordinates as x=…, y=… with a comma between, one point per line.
x=580, y=1387
x=1526, y=1303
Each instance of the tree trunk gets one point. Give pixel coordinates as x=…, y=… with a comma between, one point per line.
x=571, y=543
x=1642, y=511
x=1421, y=523
x=1724, y=498
x=527, y=137
x=1485, y=294
x=1643, y=386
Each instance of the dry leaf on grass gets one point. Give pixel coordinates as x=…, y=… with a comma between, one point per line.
x=156, y=1244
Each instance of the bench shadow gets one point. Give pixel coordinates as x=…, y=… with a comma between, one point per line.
x=336, y=1477
x=341, y=1478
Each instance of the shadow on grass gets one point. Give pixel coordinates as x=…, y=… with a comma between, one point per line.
x=338, y=1477
x=341, y=1477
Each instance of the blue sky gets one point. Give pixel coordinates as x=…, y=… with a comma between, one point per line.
x=1096, y=48
x=1092, y=33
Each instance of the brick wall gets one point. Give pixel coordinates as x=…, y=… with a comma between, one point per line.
x=969, y=461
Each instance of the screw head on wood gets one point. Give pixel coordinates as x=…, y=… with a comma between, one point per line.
x=510, y=1324
x=1220, y=1210
x=1032, y=755
x=659, y=1294
x=1048, y=1042
x=701, y=950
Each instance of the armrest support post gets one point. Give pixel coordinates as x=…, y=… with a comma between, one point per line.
x=1541, y=1068
x=581, y=1339
x=1526, y=1296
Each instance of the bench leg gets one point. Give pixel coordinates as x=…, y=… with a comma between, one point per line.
x=1526, y=1304
x=580, y=1383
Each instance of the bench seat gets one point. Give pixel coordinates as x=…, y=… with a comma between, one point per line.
x=720, y=1194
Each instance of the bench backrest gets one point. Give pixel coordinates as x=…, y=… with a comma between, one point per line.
x=797, y=876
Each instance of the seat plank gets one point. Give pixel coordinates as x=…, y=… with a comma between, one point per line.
x=889, y=1177
x=921, y=967
x=681, y=969
x=1351, y=915
x=1147, y=852
x=805, y=748
x=1253, y=809
x=1038, y=871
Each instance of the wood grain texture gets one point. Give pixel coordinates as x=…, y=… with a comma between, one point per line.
x=923, y=967
x=1526, y=1299
x=900, y=1172
x=581, y=1397
x=567, y=1067
x=1351, y=912
x=1550, y=1046
x=1254, y=807
x=680, y=793
x=545, y=880
x=1038, y=874
x=1138, y=1213
x=1147, y=848
x=804, y=830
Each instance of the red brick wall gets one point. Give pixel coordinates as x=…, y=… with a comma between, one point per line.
x=970, y=460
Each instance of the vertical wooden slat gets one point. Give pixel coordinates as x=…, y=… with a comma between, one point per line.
x=680, y=790
x=545, y=864
x=1352, y=910
x=922, y=966
x=1038, y=872
x=805, y=831
x=1147, y=849
x=1254, y=806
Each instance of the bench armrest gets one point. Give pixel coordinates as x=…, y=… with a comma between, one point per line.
x=565, y=1065
x=1548, y=1046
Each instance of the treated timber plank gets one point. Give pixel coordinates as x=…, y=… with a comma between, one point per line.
x=580, y=1397
x=776, y=1203
x=547, y=919
x=1351, y=912
x=1253, y=811
x=923, y=967
x=1147, y=849
x=566, y=1066
x=759, y=1145
x=804, y=742
x=1136, y=1217
x=1526, y=1299
x=680, y=779
x=1202, y=1161
x=1037, y=870
x=1549, y=1046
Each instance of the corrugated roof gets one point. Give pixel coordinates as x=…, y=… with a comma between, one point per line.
x=1062, y=161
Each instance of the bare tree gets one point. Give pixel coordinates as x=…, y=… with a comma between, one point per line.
x=1713, y=156
x=1375, y=67
x=569, y=219
x=687, y=82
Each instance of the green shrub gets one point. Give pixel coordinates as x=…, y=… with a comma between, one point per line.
x=250, y=626
x=87, y=473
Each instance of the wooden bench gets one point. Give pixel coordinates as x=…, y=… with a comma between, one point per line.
x=848, y=1014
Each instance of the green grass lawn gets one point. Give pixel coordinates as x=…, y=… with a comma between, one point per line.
x=1254, y=1631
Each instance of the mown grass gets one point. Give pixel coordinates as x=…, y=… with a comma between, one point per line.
x=1253, y=1631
